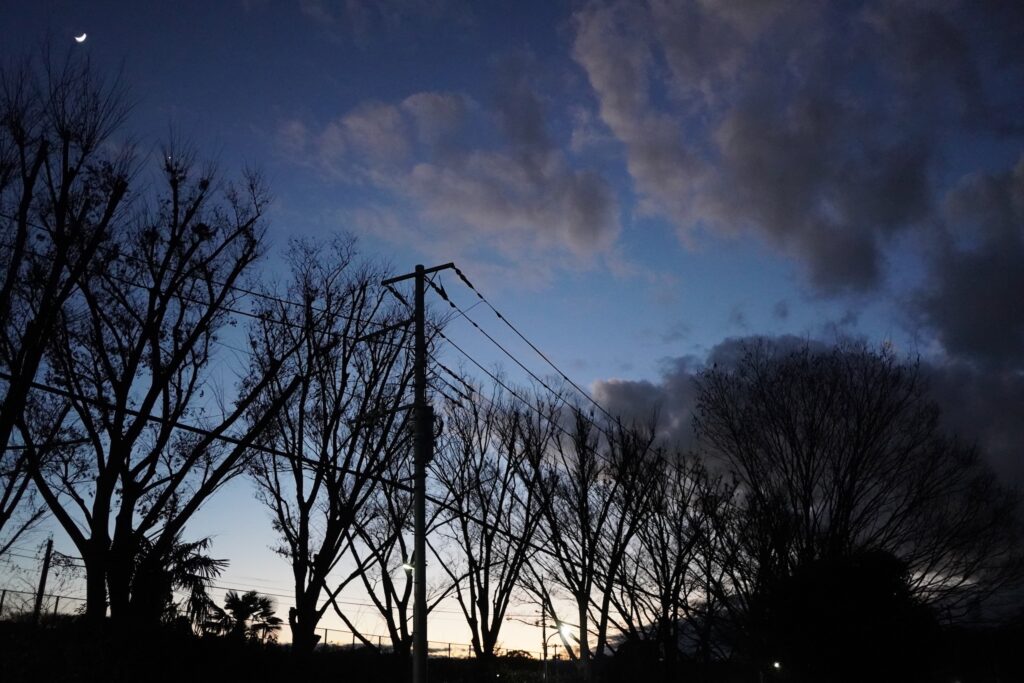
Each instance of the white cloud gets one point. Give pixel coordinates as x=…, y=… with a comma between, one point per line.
x=520, y=196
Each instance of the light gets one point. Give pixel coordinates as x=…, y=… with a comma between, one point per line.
x=566, y=630
x=776, y=665
x=407, y=567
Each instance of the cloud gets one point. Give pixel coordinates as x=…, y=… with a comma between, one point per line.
x=520, y=205
x=513, y=195
x=377, y=131
x=973, y=300
x=814, y=181
x=820, y=129
x=978, y=406
x=292, y=138
x=984, y=407
x=674, y=396
x=611, y=46
x=436, y=116
x=676, y=332
x=673, y=399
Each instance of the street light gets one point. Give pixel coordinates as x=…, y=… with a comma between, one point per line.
x=545, y=652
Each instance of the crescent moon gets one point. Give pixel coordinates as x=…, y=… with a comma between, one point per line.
x=81, y=38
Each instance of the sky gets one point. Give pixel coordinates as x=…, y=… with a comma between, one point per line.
x=639, y=186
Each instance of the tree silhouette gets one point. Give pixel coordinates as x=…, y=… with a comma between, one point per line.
x=336, y=436
x=483, y=467
x=186, y=568
x=246, y=617
x=138, y=340
x=594, y=487
x=380, y=547
x=848, y=618
x=838, y=453
x=63, y=188
x=661, y=605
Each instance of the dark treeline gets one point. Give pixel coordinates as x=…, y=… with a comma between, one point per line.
x=822, y=528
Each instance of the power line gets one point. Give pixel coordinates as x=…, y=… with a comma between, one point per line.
x=281, y=300
x=561, y=559
x=441, y=504
x=247, y=314
x=444, y=295
x=558, y=395
x=398, y=484
x=484, y=524
x=540, y=353
x=193, y=429
x=254, y=316
x=117, y=254
x=497, y=380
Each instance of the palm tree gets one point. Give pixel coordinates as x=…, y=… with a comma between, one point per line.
x=185, y=568
x=249, y=616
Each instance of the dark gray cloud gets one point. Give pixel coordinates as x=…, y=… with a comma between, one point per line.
x=674, y=396
x=676, y=332
x=984, y=408
x=820, y=127
x=672, y=399
x=975, y=296
x=738, y=318
x=816, y=180
x=519, y=110
x=978, y=406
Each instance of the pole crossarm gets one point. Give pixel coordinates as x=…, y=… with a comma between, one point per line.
x=420, y=270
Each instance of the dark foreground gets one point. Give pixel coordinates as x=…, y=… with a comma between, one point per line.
x=70, y=652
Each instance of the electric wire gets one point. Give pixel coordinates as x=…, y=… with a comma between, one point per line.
x=396, y=483
x=233, y=287
x=540, y=353
x=437, y=331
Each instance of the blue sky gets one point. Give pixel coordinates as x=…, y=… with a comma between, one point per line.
x=634, y=183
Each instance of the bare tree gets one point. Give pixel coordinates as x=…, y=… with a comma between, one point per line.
x=380, y=544
x=592, y=502
x=660, y=594
x=61, y=191
x=337, y=435
x=381, y=551
x=494, y=512
x=839, y=452
x=131, y=354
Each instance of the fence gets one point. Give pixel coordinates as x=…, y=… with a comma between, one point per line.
x=340, y=638
x=16, y=605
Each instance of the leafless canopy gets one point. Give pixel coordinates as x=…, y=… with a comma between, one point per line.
x=840, y=451
x=341, y=432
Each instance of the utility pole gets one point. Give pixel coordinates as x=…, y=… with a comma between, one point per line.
x=423, y=414
x=42, y=581
x=544, y=640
